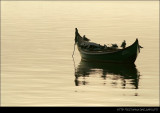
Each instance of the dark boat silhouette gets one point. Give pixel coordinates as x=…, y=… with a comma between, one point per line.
x=91, y=51
x=118, y=71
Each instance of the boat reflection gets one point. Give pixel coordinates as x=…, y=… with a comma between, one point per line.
x=127, y=74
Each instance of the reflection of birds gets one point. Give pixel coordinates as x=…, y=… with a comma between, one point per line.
x=122, y=71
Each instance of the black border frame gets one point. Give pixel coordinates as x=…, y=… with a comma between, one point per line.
x=82, y=108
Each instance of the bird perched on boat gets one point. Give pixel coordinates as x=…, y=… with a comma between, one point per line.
x=114, y=46
x=123, y=45
x=85, y=38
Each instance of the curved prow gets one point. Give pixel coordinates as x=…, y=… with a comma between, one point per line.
x=78, y=37
x=76, y=34
x=138, y=44
x=76, y=30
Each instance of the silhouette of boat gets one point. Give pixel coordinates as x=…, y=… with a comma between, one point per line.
x=91, y=51
x=117, y=71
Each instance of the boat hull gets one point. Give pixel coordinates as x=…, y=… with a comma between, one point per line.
x=127, y=55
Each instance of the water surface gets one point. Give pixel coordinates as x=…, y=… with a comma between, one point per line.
x=37, y=40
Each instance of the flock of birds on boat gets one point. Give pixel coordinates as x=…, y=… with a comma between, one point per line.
x=98, y=47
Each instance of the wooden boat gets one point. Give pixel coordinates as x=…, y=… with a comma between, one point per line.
x=126, y=55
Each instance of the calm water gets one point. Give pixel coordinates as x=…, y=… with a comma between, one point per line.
x=37, y=68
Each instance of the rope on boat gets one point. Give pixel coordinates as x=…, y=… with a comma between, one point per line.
x=74, y=65
x=74, y=49
x=74, y=60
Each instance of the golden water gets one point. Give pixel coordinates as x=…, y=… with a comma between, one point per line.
x=37, y=39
